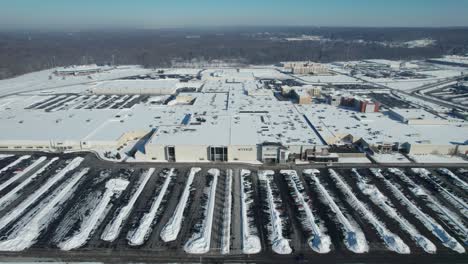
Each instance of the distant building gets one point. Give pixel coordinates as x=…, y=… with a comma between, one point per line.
x=305, y=67
x=80, y=70
x=320, y=155
x=302, y=96
x=273, y=152
x=315, y=91
x=367, y=106
x=333, y=99
x=417, y=117
x=363, y=105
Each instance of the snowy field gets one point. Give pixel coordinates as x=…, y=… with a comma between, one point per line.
x=410, y=84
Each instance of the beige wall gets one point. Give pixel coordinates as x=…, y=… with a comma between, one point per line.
x=338, y=137
x=436, y=149
x=155, y=152
x=200, y=153
x=191, y=153
x=98, y=144
x=24, y=145
x=183, y=153
x=427, y=122
x=305, y=100
x=352, y=155
x=242, y=153
x=43, y=145
x=131, y=135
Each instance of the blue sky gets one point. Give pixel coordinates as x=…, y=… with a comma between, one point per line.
x=52, y=14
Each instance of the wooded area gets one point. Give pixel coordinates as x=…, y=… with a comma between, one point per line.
x=22, y=52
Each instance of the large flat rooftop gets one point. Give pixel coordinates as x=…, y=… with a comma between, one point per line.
x=227, y=107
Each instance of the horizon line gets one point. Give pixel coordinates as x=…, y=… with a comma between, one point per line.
x=199, y=27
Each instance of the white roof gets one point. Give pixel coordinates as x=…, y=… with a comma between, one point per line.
x=415, y=113
x=161, y=86
x=376, y=128
x=232, y=117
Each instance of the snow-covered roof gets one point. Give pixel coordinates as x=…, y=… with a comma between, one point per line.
x=377, y=128
x=224, y=112
x=415, y=113
x=161, y=86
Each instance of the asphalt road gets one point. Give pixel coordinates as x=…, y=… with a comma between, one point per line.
x=120, y=256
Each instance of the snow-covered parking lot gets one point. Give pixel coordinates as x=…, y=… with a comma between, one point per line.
x=74, y=203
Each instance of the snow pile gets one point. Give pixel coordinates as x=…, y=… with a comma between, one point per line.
x=279, y=243
x=114, y=187
x=457, y=181
x=419, y=43
x=319, y=241
x=22, y=173
x=425, y=219
x=112, y=230
x=446, y=215
x=226, y=236
x=354, y=237
x=199, y=243
x=13, y=194
x=144, y=228
x=23, y=206
x=32, y=228
x=4, y=156
x=311, y=172
x=456, y=201
x=250, y=240
x=392, y=241
x=172, y=228
x=379, y=199
x=14, y=163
